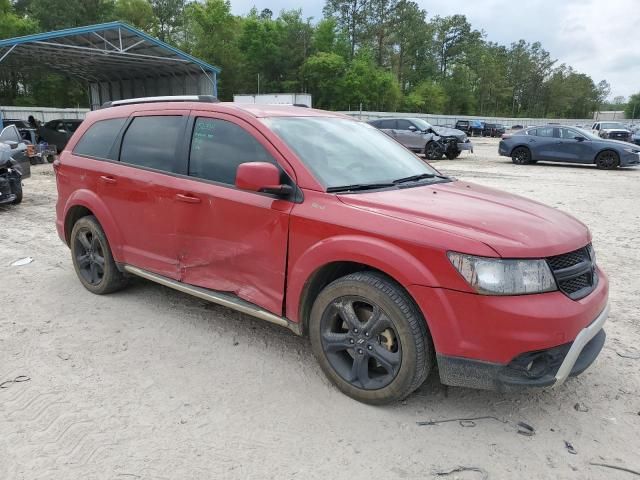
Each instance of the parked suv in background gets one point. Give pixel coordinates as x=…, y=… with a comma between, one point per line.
x=323, y=224
x=612, y=131
x=420, y=136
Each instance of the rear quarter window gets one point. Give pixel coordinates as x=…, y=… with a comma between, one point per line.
x=99, y=138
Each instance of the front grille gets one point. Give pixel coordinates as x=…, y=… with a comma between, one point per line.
x=575, y=273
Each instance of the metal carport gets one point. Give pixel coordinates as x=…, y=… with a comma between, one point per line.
x=115, y=59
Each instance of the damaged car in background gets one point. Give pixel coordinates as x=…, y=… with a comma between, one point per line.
x=14, y=165
x=420, y=136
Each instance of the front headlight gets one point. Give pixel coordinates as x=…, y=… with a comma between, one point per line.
x=495, y=276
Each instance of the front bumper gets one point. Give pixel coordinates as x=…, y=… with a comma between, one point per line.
x=541, y=368
x=465, y=146
x=630, y=159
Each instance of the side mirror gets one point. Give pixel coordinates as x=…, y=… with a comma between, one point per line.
x=62, y=130
x=12, y=144
x=579, y=139
x=261, y=177
x=412, y=128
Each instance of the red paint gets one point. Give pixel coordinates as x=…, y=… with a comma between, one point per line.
x=256, y=246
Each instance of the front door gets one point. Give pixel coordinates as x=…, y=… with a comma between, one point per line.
x=231, y=240
x=409, y=135
x=569, y=149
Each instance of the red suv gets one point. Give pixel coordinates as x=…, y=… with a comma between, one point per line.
x=327, y=226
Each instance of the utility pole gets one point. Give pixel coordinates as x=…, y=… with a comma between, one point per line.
x=258, y=84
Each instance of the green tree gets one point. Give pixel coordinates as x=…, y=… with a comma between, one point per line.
x=169, y=19
x=135, y=12
x=351, y=17
x=216, y=36
x=324, y=77
x=427, y=97
x=632, y=110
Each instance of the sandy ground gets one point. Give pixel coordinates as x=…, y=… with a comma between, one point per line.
x=149, y=383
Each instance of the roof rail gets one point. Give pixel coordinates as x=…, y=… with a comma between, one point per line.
x=170, y=98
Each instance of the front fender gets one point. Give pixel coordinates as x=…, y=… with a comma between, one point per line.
x=387, y=257
x=91, y=201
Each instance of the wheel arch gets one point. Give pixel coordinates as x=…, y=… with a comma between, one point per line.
x=333, y=258
x=85, y=202
x=523, y=145
x=606, y=149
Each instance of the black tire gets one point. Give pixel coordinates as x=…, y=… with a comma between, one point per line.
x=16, y=189
x=521, y=156
x=453, y=155
x=608, y=160
x=432, y=151
x=92, y=258
x=396, y=353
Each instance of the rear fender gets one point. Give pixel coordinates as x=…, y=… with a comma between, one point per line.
x=91, y=201
x=372, y=252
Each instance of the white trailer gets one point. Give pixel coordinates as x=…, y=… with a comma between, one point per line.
x=275, y=99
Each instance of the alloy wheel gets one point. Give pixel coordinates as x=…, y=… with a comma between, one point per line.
x=361, y=342
x=89, y=256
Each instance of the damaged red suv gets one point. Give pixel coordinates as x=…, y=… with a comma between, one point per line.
x=327, y=226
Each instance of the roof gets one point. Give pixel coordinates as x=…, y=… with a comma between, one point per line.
x=253, y=110
x=104, y=52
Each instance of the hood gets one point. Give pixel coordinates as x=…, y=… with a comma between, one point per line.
x=620, y=130
x=616, y=143
x=448, y=132
x=513, y=226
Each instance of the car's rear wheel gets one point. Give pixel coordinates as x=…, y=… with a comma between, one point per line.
x=607, y=160
x=521, y=156
x=370, y=338
x=92, y=258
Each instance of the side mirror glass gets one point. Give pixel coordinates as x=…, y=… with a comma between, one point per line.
x=579, y=139
x=261, y=177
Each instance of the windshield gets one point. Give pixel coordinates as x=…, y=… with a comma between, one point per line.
x=422, y=124
x=342, y=151
x=611, y=125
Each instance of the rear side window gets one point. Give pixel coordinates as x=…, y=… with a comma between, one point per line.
x=387, y=124
x=543, y=132
x=98, y=140
x=218, y=147
x=152, y=142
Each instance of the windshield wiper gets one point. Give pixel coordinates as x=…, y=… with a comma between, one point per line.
x=421, y=176
x=359, y=186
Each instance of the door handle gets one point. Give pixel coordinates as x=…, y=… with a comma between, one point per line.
x=187, y=198
x=108, y=179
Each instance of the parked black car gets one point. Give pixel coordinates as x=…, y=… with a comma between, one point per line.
x=58, y=132
x=557, y=143
x=493, y=130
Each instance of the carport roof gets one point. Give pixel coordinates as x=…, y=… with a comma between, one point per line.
x=104, y=52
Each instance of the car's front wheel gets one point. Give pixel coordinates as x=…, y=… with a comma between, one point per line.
x=370, y=338
x=521, y=156
x=92, y=258
x=607, y=160
x=432, y=151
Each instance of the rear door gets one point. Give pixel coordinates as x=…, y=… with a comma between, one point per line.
x=542, y=144
x=232, y=240
x=142, y=188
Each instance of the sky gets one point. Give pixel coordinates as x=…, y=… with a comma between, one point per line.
x=598, y=37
